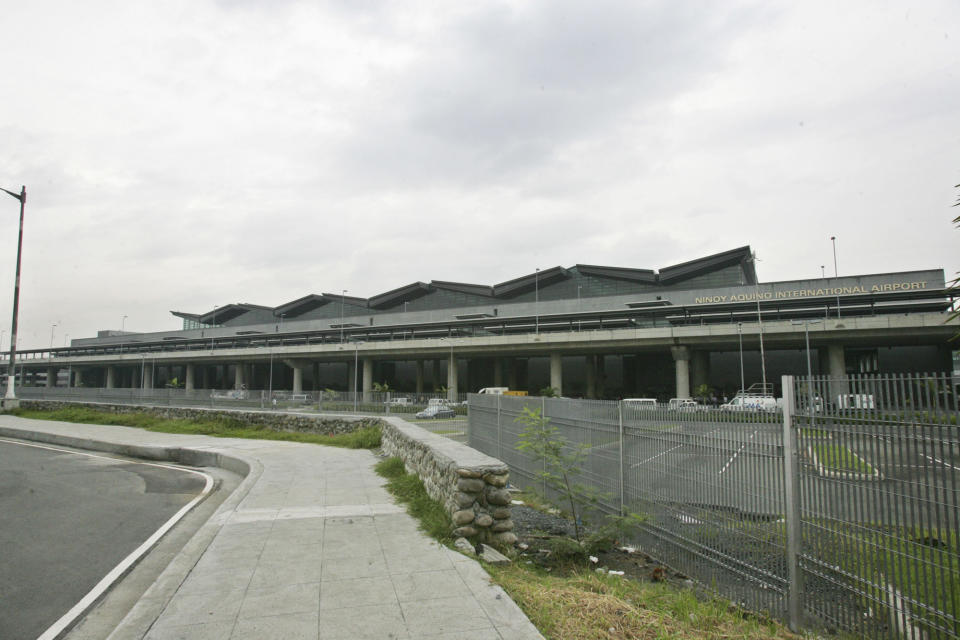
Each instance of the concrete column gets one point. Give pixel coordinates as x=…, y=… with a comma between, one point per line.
x=367, y=379
x=419, y=364
x=591, y=377
x=699, y=369
x=189, y=373
x=512, y=374
x=498, y=372
x=436, y=375
x=239, y=378
x=111, y=381
x=681, y=357
x=601, y=376
x=52, y=376
x=837, y=371
x=556, y=373
x=452, y=378
x=148, y=375
x=297, y=376
x=205, y=376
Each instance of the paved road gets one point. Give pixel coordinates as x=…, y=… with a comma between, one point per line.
x=66, y=520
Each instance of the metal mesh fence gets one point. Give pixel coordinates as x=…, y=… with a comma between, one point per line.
x=878, y=472
x=840, y=512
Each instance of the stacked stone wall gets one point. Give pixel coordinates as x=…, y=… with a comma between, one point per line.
x=470, y=484
x=327, y=425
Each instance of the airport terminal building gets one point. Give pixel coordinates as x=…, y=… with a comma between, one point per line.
x=587, y=331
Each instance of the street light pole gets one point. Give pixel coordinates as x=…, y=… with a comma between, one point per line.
x=536, y=301
x=343, y=298
x=10, y=400
x=833, y=239
x=740, y=336
x=52, y=327
x=356, y=363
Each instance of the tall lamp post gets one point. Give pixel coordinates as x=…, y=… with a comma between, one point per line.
x=10, y=399
x=343, y=299
x=806, y=333
x=536, y=301
x=836, y=274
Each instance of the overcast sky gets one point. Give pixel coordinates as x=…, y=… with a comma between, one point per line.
x=181, y=155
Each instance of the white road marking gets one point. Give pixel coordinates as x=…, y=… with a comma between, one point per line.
x=663, y=453
x=734, y=457
x=946, y=464
x=121, y=569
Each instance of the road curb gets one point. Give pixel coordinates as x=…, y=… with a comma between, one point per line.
x=137, y=622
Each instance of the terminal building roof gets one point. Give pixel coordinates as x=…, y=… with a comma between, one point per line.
x=729, y=268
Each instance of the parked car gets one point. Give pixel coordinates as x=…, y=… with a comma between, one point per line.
x=683, y=404
x=436, y=411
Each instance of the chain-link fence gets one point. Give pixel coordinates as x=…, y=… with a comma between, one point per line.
x=435, y=412
x=839, y=511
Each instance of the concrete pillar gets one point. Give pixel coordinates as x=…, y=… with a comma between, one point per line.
x=189, y=372
x=52, y=376
x=556, y=373
x=601, y=376
x=297, y=376
x=239, y=379
x=419, y=365
x=452, y=378
x=837, y=371
x=205, y=377
x=351, y=377
x=681, y=358
x=368, y=379
x=111, y=381
x=436, y=375
x=498, y=372
x=591, y=377
x=512, y=374
x=699, y=369
x=148, y=376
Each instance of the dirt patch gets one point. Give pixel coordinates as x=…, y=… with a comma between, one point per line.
x=537, y=532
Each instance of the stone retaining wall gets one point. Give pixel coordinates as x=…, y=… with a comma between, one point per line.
x=470, y=484
x=277, y=421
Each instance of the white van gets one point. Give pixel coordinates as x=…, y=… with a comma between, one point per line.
x=495, y=391
x=641, y=403
x=752, y=403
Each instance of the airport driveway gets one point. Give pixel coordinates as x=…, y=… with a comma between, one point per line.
x=68, y=518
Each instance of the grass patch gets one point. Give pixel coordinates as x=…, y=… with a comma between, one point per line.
x=588, y=605
x=840, y=458
x=409, y=489
x=219, y=426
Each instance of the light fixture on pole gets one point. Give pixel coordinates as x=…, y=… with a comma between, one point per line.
x=806, y=333
x=579, y=310
x=343, y=297
x=66, y=336
x=123, y=323
x=52, y=327
x=10, y=400
x=836, y=273
x=356, y=363
x=756, y=289
x=823, y=273
x=536, y=301
x=740, y=336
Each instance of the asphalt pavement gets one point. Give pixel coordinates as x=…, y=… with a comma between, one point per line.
x=69, y=518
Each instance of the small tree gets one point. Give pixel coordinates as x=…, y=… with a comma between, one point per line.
x=561, y=460
x=549, y=392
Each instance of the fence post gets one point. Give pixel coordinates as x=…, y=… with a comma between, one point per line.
x=499, y=429
x=620, y=421
x=791, y=473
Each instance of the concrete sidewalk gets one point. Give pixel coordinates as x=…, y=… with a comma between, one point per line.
x=310, y=545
